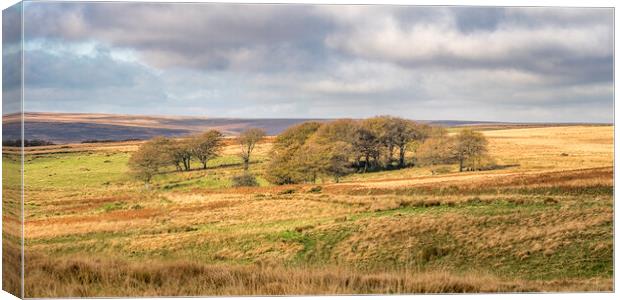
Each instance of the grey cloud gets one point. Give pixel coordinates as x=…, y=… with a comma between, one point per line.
x=471, y=19
x=510, y=64
x=287, y=37
x=215, y=36
x=445, y=43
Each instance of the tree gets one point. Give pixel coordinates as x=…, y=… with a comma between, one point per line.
x=331, y=149
x=286, y=165
x=248, y=140
x=181, y=152
x=368, y=145
x=469, y=146
x=148, y=160
x=395, y=133
x=327, y=159
x=404, y=133
x=383, y=128
x=206, y=146
x=311, y=150
x=436, y=151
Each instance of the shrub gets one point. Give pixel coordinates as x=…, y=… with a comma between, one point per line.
x=108, y=207
x=246, y=179
x=287, y=192
x=315, y=189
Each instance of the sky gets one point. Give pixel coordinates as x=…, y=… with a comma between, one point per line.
x=319, y=61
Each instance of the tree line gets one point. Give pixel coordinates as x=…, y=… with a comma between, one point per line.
x=312, y=150
x=27, y=143
x=317, y=150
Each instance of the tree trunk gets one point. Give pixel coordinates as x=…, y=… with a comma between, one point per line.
x=401, y=157
x=204, y=165
x=461, y=165
x=366, y=163
x=246, y=164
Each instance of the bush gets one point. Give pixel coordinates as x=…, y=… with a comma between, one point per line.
x=287, y=192
x=244, y=180
x=315, y=189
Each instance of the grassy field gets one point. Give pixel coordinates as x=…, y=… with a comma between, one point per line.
x=543, y=221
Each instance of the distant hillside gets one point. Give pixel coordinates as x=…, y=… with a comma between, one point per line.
x=63, y=128
x=75, y=128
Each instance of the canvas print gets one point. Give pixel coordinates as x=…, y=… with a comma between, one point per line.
x=220, y=149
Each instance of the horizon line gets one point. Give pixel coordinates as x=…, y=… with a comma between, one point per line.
x=304, y=118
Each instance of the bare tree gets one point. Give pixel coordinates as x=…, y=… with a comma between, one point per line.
x=248, y=140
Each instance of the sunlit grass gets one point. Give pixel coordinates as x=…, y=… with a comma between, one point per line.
x=530, y=226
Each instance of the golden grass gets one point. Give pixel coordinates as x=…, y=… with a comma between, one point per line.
x=11, y=225
x=543, y=148
x=82, y=277
x=519, y=235
x=567, y=179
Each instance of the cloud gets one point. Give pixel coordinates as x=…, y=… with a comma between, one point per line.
x=243, y=60
x=498, y=43
x=213, y=36
x=55, y=67
x=287, y=37
x=11, y=59
x=59, y=78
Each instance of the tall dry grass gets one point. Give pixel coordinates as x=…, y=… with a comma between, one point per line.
x=11, y=267
x=87, y=277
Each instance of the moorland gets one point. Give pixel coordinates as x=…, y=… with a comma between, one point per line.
x=542, y=220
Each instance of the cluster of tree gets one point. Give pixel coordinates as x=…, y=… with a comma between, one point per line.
x=468, y=148
x=307, y=151
x=160, y=152
x=310, y=150
x=27, y=143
